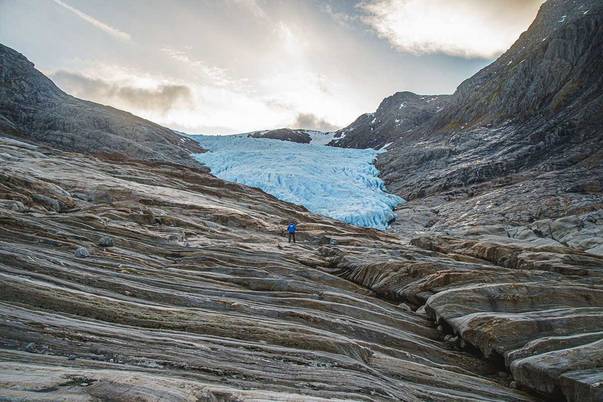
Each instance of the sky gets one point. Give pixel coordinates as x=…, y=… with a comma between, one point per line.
x=231, y=66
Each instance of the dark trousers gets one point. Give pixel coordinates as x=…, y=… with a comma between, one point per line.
x=291, y=236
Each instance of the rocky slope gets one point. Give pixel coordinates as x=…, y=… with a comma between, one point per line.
x=510, y=171
x=138, y=280
x=396, y=116
x=516, y=151
x=33, y=108
x=186, y=290
x=145, y=280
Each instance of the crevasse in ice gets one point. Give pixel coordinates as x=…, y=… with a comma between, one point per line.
x=339, y=183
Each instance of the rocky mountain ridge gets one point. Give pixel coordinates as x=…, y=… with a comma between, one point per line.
x=33, y=108
x=517, y=147
x=396, y=116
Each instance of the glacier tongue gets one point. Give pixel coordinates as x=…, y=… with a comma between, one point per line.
x=340, y=183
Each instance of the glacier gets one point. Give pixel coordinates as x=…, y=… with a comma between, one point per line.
x=340, y=183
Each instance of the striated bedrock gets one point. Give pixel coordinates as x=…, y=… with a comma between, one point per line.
x=33, y=108
x=538, y=310
x=197, y=295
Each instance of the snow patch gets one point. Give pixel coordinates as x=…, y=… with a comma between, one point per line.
x=384, y=148
x=340, y=183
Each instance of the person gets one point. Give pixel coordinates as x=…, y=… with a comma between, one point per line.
x=291, y=229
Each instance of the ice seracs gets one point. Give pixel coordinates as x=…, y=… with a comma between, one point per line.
x=336, y=182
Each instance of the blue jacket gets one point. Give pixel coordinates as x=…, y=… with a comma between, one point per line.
x=292, y=228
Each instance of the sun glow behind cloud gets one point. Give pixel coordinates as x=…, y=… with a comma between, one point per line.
x=465, y=28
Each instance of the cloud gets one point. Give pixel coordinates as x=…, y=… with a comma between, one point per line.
x=116, y=33
x=159, y=99
x=312, y=122
x=465, y=28
x=251, y=6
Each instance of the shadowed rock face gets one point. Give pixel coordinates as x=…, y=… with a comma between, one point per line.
x=33, y=108
x=197, y=295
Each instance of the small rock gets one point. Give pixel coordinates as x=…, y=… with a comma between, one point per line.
x=405, y=307
x=71, y=357
x=82, y=252
x=421, y=311
x=106, y=241
x=100, y=197
x=47, y=202
x=440, y=328
x=513, y=384
x=12, y=205
x=30, y=347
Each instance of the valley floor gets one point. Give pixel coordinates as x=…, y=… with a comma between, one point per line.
x=189, y=292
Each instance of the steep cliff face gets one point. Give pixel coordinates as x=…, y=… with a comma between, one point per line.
x=32, y=107
x=395, y=117
x=552, y=70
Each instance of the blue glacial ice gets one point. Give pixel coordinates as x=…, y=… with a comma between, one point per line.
x=339, y=183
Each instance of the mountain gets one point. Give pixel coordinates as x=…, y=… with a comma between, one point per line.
x=395, y=116
x=32, y=107
x=517, y=150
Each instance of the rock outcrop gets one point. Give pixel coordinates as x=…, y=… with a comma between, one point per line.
x=536, y=310
x=284, y=134
x=33, y=108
